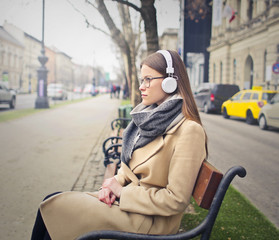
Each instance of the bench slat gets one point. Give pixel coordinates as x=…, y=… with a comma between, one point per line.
x=206, y=185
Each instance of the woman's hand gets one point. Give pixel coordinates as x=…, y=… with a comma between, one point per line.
x=111, y=190
x=113, y=185
x=106, y=195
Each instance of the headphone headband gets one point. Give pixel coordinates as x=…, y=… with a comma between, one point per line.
x=169, y=84
x=167, y=56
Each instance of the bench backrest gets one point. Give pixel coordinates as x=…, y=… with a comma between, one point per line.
x=206, y=185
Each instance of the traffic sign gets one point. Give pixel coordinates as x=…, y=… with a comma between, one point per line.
x=275, y=68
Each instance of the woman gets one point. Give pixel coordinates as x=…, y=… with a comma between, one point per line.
x=163, y=149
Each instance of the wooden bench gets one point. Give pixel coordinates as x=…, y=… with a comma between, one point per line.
x=209, y=191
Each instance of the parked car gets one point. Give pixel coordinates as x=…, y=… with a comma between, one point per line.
x=77, y=89
x=210, y=96
x=90, y=89
x=57, y=91
x=7, y=96
x=247, y=104
x=269, y=114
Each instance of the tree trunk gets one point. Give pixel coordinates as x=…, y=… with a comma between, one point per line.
x=130, y=38
x=148, y=13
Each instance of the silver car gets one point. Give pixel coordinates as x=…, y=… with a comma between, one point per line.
x=7, y=96
x=57, y=91
x=269, y=114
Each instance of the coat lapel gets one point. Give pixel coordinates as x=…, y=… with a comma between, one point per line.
x=141, y=155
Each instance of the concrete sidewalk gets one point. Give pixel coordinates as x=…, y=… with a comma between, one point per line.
x=58, y=149
x=91, y=176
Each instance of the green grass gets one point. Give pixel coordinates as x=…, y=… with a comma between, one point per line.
x=237, y=219
x=15, y=114
x=125, y=102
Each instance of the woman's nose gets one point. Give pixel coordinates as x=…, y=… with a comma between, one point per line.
x=142, y=87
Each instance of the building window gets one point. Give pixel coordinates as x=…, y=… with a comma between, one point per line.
x=238, y=10
x=234, y=71
x=9, y=60
x=5, y=59
x=221, y=72
x=250, y=10
x=266, y=4
x=201, y=73
x=214, y=72
x=264, y=66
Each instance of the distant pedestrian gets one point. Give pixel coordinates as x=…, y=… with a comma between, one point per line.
x=112, y=90
x=117, y=91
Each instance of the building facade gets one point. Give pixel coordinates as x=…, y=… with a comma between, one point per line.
x=32, y=49
x=64, y=73
x=11, y=60
x=168, y=40
x=19, y=63
x=244, y=46
x=50, y=64
x=83, y=74
x=30, y=63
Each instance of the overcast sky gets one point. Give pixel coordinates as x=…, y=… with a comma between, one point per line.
x=65, y=28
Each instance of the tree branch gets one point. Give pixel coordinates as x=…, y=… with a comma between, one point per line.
x=86, y=20
x=90, y=3
x=129, y=4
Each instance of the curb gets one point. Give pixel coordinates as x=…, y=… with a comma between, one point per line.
x=92, y=173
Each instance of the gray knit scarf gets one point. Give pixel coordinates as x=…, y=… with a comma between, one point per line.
x=149, y=122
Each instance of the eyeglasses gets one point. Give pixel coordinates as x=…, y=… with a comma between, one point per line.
x=146, y=80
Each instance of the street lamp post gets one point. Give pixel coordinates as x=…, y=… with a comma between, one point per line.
x=42, y=99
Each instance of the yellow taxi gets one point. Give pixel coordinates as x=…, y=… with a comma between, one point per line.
x=247, y=104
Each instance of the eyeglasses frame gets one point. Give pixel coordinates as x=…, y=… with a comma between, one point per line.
x=147, y=78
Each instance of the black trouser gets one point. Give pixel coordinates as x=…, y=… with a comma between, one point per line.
x=39, y=230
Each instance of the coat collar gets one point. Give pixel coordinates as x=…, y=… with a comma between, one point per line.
x=174, y=128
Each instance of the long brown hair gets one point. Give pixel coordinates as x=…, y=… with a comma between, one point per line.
x=189, y=107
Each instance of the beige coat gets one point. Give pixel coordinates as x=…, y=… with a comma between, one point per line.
x=158, y=187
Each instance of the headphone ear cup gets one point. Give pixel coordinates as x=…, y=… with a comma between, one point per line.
x=169, y=85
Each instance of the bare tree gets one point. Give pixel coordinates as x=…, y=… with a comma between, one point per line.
x=148, y=14
x=127, y=47
x=131, y=40
x=126, y=40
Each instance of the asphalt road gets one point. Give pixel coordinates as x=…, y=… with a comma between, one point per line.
x=44, y=153
x=25, y=101
x=233, y=142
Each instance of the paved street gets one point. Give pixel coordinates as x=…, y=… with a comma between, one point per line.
x=47, y=152
x=26, y=101
x=233, y=142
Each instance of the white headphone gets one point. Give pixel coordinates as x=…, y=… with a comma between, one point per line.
x=169, y=84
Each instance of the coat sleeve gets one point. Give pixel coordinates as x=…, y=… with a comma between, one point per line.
x=189, y=152
x=121, y=177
